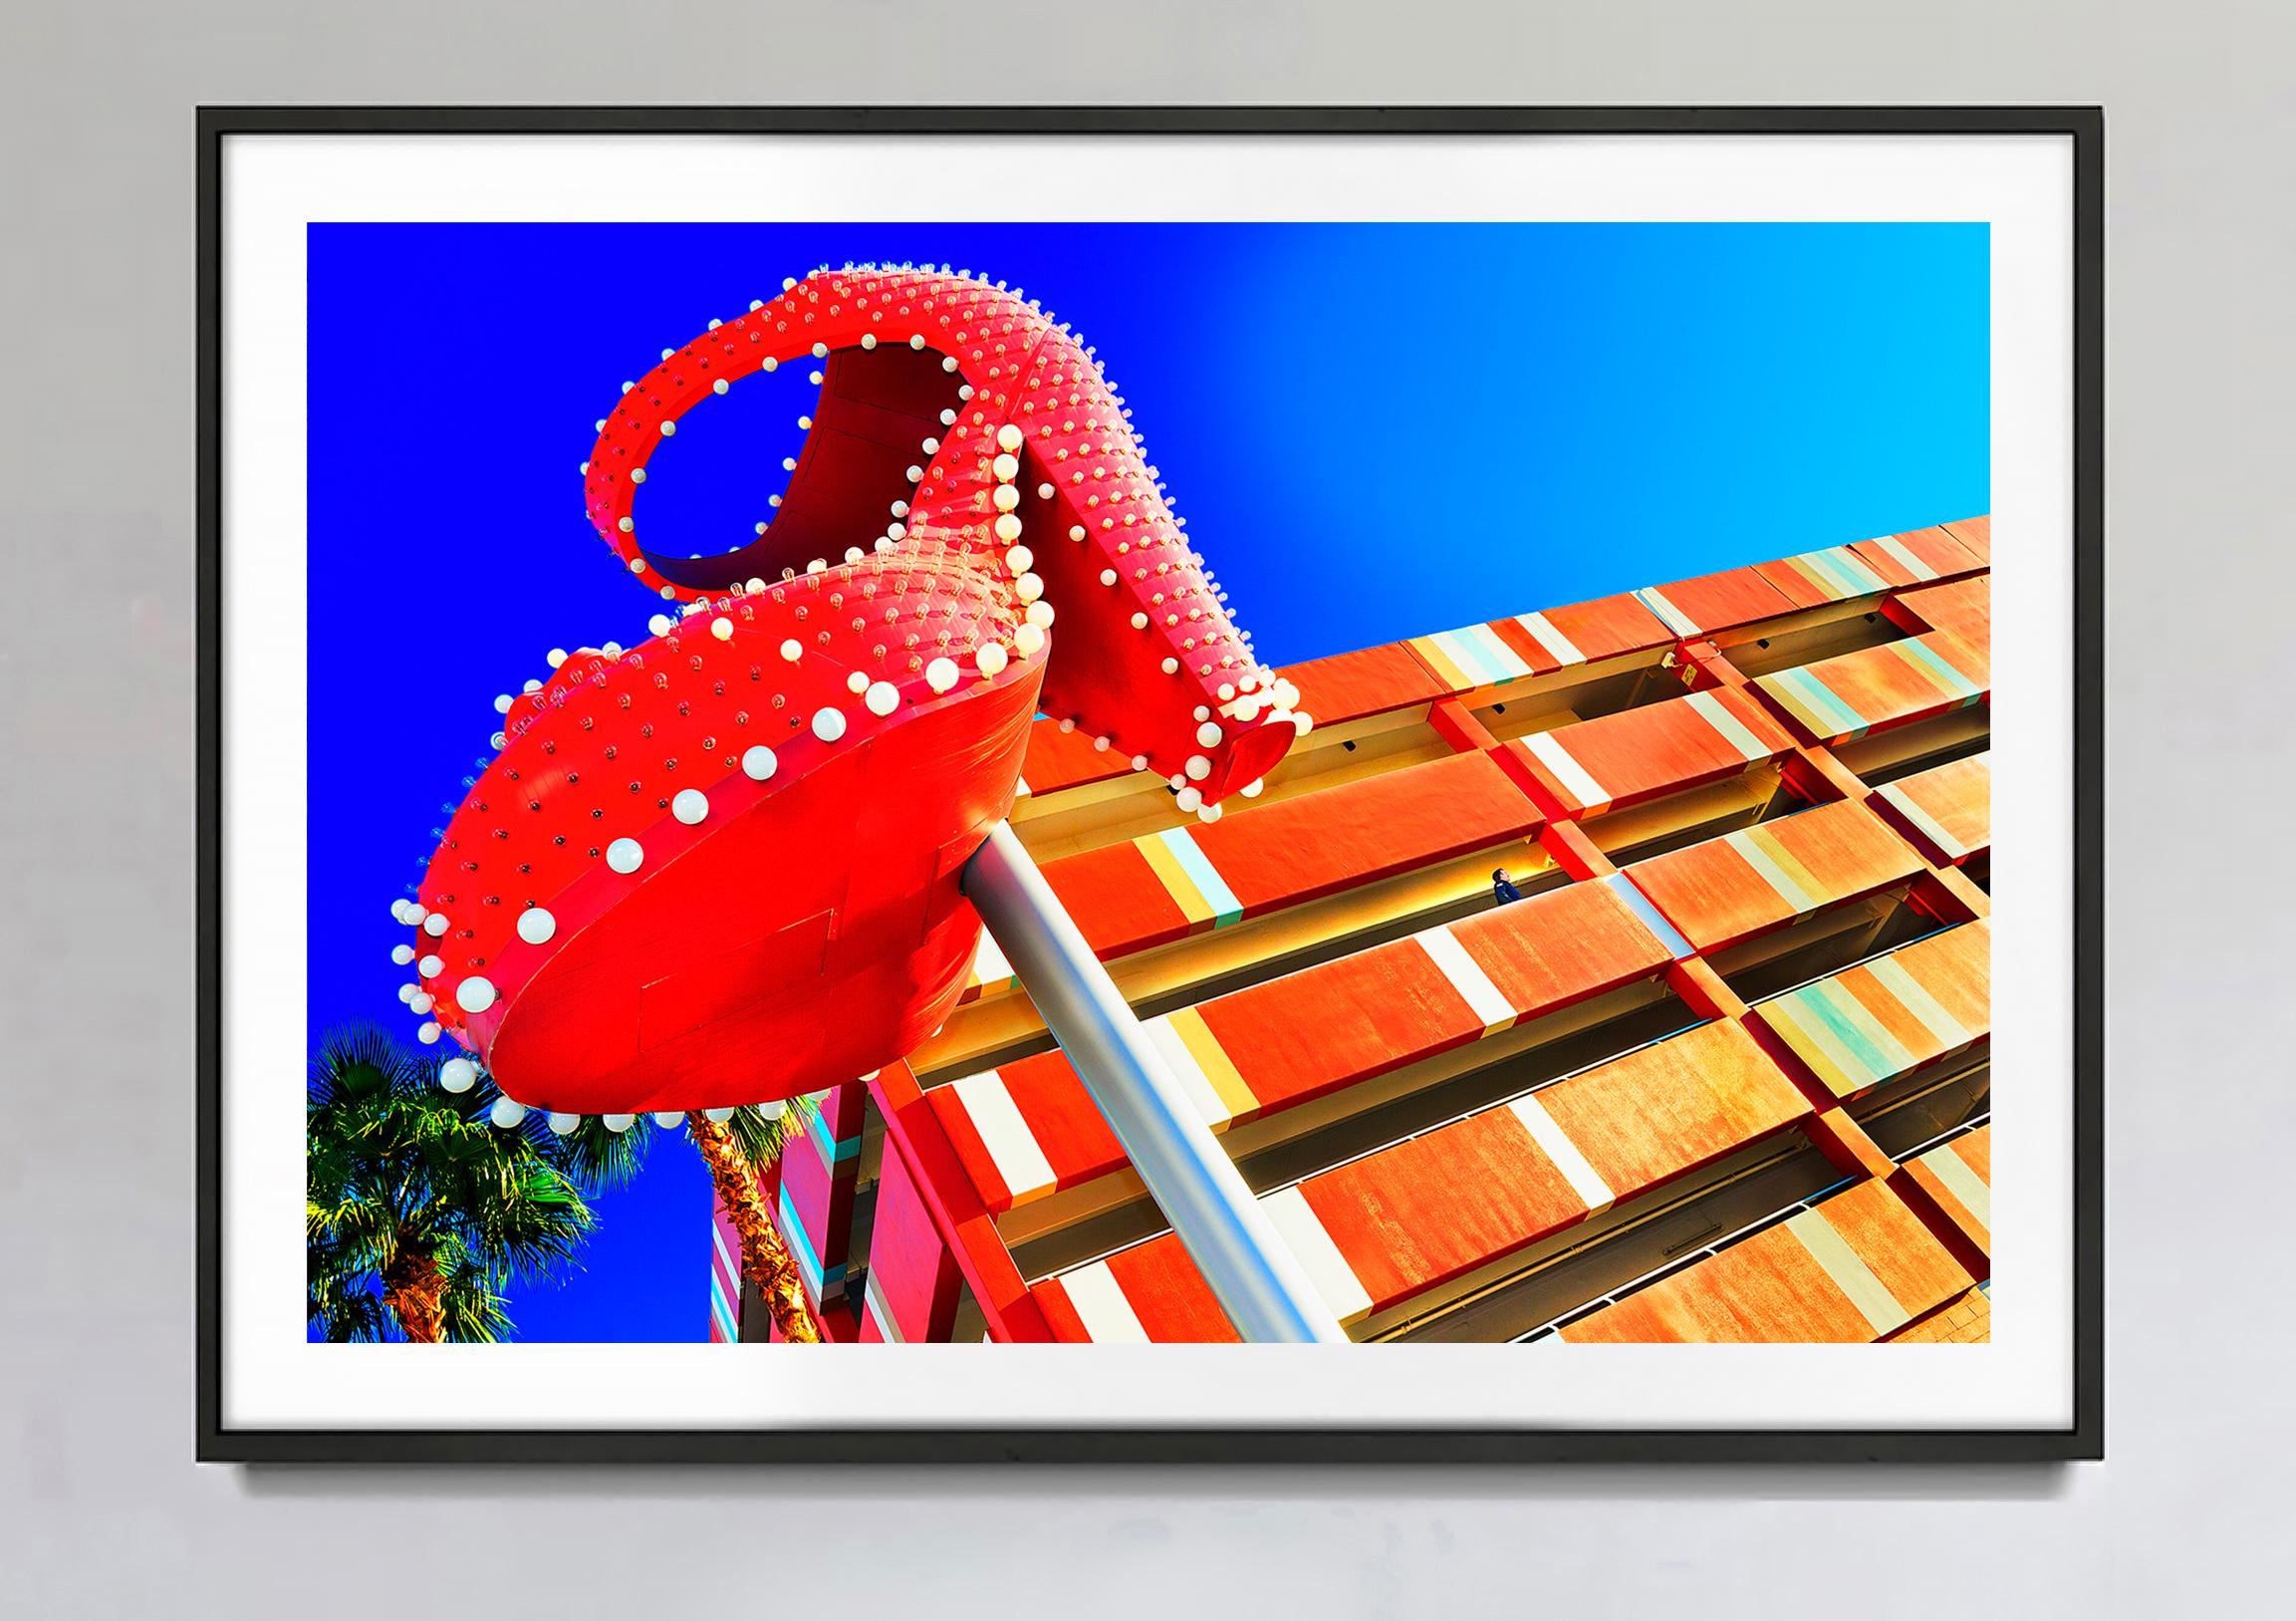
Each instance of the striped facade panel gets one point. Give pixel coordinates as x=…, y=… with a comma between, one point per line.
x=1963, y=607
x=911, y=1293
x=1592, y=767
x=1470, y=658
x=1918, y=556
x=1850, y=1270
x=1843, y=698
x=1734, y=887
x=1379, y=1231
x=818, y=1171
x=724, y=1278
x=1164, y=885
x=1816, y=579
x=1870, y=1024
x=1715, y=602
x=1028, y=1129
x=1586, y=633
x=1667, y=1108
x=1947, y=810
x=1350, y=686
x=1958, y=1175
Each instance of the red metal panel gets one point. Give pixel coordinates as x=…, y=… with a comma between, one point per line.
x=1601, y=629
x=1876, y=689
x=1947, y=810
x=1869, y=1024
x=1719, y=601
x=1729, y=888
x=913, y=1272
x=1350, y=686
x=1918, y=556
x=1890, y=1239
x=1673, y=1105
x=1774, y=1287
x=1117, y=900
x=1963, y=607
x=1428, y=1209
x=957, y=1208
x=1157, y=1294
x=1359, y=832
x=1549, y=951
x=1642, y=753
x=1337, y=1024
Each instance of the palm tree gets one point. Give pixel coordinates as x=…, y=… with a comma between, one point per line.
x=606, y=1151
x=418, y=1214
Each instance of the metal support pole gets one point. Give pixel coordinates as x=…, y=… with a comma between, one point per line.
x=1258, y=1281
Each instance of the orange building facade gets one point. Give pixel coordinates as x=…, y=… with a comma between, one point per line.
x=1722, y=1072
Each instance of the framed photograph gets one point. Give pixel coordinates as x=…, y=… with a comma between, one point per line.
x=938, y=785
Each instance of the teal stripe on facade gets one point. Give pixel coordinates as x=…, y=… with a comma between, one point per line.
x=1840, y=720
x=1470, y=656
x=1227, y=908
x=1963, y=688
x=1924, y=821
x=1878, y=1051
x=1648, y=914
x=1917, y=1000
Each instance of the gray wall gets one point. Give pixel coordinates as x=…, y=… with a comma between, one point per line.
x=103, y=1512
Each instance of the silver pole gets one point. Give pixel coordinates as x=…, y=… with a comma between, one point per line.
x=1260, y=1283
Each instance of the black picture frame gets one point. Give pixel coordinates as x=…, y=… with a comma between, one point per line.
x=2082, y=1440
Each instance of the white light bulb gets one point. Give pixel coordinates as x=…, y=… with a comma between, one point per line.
x=990, y=659
x=458, y=1075
x=623, y=855
x=940, y=674
x=536, y=927
x=827, y=725
x=883, y=697
x=758, y=763
x=506, y=1113
x=476, y=993
x=690, y=806
x=564, y=1123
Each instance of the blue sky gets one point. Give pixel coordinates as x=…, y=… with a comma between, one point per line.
x=1373, y=431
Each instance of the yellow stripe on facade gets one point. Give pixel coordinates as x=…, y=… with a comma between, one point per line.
x=1213, y=1059
x=1443, y=665
x=1169, y=873
x=1762, y=839
x=1814, y=1046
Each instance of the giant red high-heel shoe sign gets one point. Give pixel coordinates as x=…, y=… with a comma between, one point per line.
x=722, y=867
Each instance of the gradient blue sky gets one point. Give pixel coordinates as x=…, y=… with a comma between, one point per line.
x=1374, y=431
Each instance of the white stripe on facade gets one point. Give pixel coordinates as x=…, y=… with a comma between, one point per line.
x=1574, y=777
x=1303, y=1230
x=1013, y=1148
x=1100, y=1302
x=1466, y=977
x=1553, y=1142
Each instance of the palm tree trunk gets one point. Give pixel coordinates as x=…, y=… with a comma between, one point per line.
x=414, y=1293
x=765, y=1260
